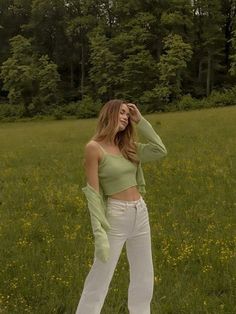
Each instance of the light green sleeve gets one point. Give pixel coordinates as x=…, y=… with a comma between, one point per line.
x=99, y=222
x=154, y=149
x=96, y=205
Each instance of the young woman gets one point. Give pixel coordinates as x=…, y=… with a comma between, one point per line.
x=113, y=169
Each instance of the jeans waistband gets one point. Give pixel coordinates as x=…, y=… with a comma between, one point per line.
x=111, y=200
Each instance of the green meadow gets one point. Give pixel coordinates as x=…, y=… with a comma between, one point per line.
x=46, y=240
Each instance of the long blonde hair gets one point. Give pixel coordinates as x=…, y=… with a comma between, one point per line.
x=107, y=129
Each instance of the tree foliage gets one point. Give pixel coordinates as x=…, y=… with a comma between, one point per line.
x=30, y=80
x=147, y=51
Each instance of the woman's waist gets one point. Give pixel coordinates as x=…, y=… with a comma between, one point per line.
x=130, y=194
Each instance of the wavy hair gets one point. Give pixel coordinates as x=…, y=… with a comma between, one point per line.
x=108, y=130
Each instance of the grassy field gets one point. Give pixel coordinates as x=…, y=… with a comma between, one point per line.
x=46, y=241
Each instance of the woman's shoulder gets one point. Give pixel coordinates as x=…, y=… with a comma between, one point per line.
x=93, y=147
x=91, y=143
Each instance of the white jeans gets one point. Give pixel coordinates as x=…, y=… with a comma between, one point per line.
x=129, y=222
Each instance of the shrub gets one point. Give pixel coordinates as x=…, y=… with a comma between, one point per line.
x=10, y=112
x=70, y=109
x=155, y=99
x=220, y=99
x=88, y=108
x=58, y=113
x=187, y=103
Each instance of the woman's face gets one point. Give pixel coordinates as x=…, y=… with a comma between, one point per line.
x=123, y=117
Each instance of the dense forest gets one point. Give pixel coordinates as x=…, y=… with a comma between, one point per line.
x=153, y=52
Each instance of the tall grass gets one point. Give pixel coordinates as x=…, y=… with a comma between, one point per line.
x=46, y=241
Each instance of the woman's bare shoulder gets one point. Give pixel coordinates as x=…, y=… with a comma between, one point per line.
x=92, y=147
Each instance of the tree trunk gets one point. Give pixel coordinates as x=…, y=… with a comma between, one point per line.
x=178, y=83
x=230, y=12
x=200, y=71
x=208, y=74
x=71, y=75
x=82, y=70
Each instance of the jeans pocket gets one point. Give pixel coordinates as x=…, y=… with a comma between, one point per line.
x=145, y=210
x=115, y=210
x=144, y=205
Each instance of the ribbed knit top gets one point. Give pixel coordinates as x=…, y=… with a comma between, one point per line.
x=116, y=173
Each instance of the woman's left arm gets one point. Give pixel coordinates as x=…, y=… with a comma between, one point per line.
x=154, y=149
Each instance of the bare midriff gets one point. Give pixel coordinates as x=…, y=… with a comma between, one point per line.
x=130, y=194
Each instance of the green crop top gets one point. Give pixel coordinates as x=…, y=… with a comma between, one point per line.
x=116, y=173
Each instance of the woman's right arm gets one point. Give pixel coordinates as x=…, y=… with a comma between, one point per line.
x=98, y=219
x=91, y=165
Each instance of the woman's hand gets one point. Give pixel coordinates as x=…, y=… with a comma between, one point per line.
x=135, y=114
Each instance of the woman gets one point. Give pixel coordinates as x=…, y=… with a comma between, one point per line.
x=113, y=169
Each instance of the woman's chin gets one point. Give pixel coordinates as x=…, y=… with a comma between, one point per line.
x=121, y=128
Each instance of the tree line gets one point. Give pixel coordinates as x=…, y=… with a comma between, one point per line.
x=152, y=52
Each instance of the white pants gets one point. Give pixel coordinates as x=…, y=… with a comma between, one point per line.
x=129, y=222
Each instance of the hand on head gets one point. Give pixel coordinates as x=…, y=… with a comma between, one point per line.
x=135, y=114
